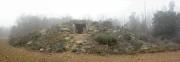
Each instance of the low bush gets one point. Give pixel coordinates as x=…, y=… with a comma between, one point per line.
x=105, y=39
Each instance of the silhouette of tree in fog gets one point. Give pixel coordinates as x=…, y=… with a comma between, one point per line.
x=133, y=24
x=165, y=23
x=1, y=31
x=4, y=32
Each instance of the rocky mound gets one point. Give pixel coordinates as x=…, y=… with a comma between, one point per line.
x=99, y=38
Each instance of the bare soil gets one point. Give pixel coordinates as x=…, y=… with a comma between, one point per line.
x=11, y=54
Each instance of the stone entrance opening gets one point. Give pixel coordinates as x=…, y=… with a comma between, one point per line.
x=80, y=28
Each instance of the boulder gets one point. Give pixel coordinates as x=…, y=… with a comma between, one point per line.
x=41, y=49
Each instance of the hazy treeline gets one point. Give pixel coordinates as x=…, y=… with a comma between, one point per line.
x=165, y=24
x=27, y=23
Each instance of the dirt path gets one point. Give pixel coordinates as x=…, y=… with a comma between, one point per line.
x=77, y=37
x=11, y=54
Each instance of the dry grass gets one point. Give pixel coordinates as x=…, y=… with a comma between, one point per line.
x=11, y=54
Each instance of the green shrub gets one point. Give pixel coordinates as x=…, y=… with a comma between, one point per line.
x=17, y=43
x=105, y=39
x=58, y=47
x=21, y=40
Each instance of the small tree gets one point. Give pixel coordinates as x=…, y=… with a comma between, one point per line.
x=134, y=25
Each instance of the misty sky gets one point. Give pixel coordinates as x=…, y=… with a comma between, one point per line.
x=10, y=10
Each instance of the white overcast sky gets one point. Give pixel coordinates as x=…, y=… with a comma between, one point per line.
x=10, y=10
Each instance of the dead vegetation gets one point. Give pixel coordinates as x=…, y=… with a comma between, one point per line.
x=11, y=54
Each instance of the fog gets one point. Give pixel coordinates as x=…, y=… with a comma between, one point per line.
x=79, y=9
x=118, y=11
